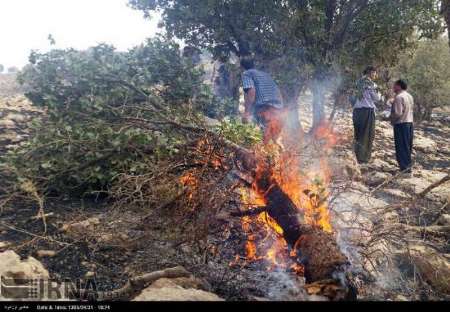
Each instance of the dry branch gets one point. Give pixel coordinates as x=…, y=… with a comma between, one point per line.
x=136, y=285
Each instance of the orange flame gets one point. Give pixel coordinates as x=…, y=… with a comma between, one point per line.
x=190, y=181
x=308, y=191
x=273, y=247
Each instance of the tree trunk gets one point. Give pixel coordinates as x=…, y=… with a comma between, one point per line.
x=428, y=113
x=294, y=130
x=318, y=91
x=340, y=101
x=446, y=15
x=226, y=87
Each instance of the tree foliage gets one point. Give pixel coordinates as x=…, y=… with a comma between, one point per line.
x=311, y=38
x=107, y=113
x=427, y=70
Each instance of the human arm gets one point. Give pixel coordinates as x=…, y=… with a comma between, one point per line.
x=249, y=95
x=397, y=109
x=374, y=94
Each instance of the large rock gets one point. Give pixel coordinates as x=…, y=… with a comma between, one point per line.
x=377, y=178
x=178, y=289
x=425, y=145
x=381, y=165
x=421, y=180
x=16, y=273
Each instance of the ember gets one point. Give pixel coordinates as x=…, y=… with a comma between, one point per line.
x=191, y=183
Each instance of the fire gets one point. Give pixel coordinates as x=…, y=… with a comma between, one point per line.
x=191, y=182
x=189, y=179
x=309, y=191
x=273, y=248
x=316, y=201
x=308, y=188
x=325, y=135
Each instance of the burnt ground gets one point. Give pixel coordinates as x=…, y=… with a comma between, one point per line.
x=122, y=246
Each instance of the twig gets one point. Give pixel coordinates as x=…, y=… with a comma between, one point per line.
x=11, y=227
x=137, y=284
x=251, y=212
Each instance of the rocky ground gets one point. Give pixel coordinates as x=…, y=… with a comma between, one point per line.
x=396, y=239
x=389, y=224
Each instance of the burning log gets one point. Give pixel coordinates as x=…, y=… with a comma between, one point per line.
x=320, y=255
x=324, y=264
x=279, y=205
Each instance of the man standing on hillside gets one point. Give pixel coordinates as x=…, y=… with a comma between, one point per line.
x=262, y=100
x=402, y=118
x=364, y=114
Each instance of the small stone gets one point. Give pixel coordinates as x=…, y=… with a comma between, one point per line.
x=89, y=274
x=425, y=145
x=18, y=118
x=444, y=220
x=123, y=236
x=396, y=193
x=401, y=298
x=80, y=226
x=45, y=253
x=105, y=238
x=7, y=123
x=186, y=248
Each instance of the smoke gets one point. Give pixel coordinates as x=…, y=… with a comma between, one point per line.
x=382, y=276
x=286, y=286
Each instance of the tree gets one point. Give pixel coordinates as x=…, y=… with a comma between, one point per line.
x=427, y=72
x=2, y=68
x=302, y=42
x=445, y=10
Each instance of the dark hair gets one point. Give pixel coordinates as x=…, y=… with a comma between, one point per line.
x=369, y=69
x=402, y=84
x=248, y=63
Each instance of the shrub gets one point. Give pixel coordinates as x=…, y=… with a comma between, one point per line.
x=108, y=113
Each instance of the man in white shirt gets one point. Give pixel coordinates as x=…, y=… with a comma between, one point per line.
x=402, y=118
